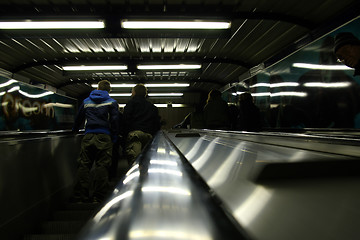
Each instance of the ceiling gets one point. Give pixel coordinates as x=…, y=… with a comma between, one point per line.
x=262, y=32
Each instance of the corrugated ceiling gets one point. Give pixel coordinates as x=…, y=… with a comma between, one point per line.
x=260, y=31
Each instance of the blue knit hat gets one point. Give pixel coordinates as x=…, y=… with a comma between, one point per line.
x=345, y=38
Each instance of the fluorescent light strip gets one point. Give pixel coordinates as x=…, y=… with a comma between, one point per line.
x=167, y=85
x=150, y=94
x=168, y=67
x=87, y=68
x=328, y=85
x=295, y=94
x=268, y=94
x=161, y=105
x=120, y=94
x=175, y=24
x=165, y=94
x=275, y=85
x=126, y=85
x=52, y=25
x=321, y=67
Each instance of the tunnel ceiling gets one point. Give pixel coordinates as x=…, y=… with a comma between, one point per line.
x=261, y=31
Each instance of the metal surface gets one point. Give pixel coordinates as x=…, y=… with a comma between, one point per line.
x=294, y=206
x=37, y=171
x=161, y=198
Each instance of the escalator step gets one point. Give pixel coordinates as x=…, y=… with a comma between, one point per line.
x=61, y=227
x=50, y=237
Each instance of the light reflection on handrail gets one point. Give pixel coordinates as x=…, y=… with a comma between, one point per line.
x=163, y=162
x=162, y=234
x=115, y=200
x=171, y=190
x=131, y=177
x=166, y=171
x=136, y=166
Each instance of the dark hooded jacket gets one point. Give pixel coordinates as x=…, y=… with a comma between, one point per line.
x=140, y=114
x=100, y=113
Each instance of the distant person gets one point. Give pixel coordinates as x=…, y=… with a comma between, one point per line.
x=100, y=113
x=216, y=112
x=142, y=122
x=249, y=118
x=194, y=119
x=347, y=50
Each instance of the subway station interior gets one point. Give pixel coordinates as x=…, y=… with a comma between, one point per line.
x=296, y=178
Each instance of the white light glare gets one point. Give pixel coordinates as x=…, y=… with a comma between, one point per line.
x=174, y=25
x=275, y=85
x=126, y=85
x=150, y=94
x=171, y=190
x=168, y=67
x=11, y=81
x=163, y=162
x=52, y=25
x=87, y=68
x=328, y=85
x=165, y=94
x=278, y=94
x=165, y=171
x=321, y=67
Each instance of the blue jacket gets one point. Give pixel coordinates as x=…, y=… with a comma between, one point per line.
x=101, y=114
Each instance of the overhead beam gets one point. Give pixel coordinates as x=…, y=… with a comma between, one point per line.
x=131, y=62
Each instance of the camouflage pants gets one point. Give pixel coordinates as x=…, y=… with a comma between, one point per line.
x=96, y=149
x=135, y=142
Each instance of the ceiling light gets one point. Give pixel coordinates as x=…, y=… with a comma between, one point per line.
x=167, y=85
x=165, y=94
x=128, y=24
x=52, y=25
x=130, y=85
x=166, y=67
x=321, y=67
x=120, y=94
x=328, y=85
x=150, y=94
x=96, y=68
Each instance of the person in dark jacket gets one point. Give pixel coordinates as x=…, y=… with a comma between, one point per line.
x=249, y=118
x=216, y=111
x=347, y=50
x=142, y=122
x=100, y=113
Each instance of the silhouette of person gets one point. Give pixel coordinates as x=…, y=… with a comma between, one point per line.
x=142, y=122
x=249, y=118
x=216, y=111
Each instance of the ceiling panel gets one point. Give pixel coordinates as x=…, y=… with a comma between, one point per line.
x=261, y=30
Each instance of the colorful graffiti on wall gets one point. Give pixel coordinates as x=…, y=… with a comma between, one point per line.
x=25, y=107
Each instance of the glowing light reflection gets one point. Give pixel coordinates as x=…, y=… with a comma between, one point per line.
x=165, y=171
x=113, y=201
x=171, y=190
x=164, y=162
